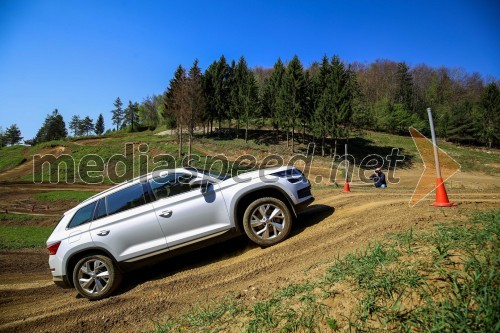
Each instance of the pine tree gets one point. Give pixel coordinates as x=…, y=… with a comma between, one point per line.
x=235, y=81
x=275, y=95
x=405, y=86
x=322, y=98
x=196, y=100
x=13, y=135
x=489, y=123
x=74, y=125
x=294, y=94
x=99, y=125
x=177, y=102
x=209, y=91
x=172, y=112
x=461, y=124
x=334, y=104
x=3, y=139
x=244, y=95
x=131, y=115
x=221, y=81
x=53, y=128
x=86, y=125
x=118, y=113
x=361, y=117
x=248, y=95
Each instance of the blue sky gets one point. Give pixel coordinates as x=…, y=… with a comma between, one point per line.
x=78, y=56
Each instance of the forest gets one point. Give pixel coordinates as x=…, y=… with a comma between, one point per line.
x=328, y=102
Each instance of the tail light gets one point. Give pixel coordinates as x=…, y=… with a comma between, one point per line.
x=53, y=248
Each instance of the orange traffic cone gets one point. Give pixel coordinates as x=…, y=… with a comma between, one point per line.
x=346, y=187
x=441, y=196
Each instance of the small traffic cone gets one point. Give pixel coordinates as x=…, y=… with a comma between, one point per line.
x=346, y=189
x=441, y=196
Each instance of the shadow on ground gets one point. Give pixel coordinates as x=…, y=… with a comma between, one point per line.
x=224, y=250
x=359, y=147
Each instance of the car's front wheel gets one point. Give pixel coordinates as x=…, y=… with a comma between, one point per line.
x=267, y=221
x=96, y=277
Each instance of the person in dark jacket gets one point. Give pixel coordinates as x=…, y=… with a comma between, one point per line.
x=379, y=178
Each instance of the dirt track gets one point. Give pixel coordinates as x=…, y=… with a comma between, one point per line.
x=335, y=224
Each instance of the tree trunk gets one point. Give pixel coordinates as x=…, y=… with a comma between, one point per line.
x=190, y=137
x=180, y=141
x=246, y=132
x=335, y=147
x=293, y=143
x=220, y=123
x=287, y=141
x=323, y=146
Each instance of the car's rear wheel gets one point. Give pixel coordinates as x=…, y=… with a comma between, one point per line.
x=267, y=221
x=96, y=277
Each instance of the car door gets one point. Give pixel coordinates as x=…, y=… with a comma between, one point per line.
x=79, y=226
x=187, y=214
x=128, y=227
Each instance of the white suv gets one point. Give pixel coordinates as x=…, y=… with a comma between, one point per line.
x=165, y=213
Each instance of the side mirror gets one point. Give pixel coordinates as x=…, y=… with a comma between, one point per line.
x=200, y=183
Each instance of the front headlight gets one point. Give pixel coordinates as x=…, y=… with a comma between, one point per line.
x=292, y=175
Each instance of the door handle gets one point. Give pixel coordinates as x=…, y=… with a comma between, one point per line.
x=103, y=233
x=166, y=213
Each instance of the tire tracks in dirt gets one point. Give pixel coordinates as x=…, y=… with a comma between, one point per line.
x=334, y=225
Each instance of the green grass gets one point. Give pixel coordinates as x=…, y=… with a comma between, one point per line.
x=108, y=147
x=12, y=156
x=19, y=217
x=64, y=195
x=7, y=163
x=15, y=237
x=443, y=280
x=370, y=143
x=470, y=158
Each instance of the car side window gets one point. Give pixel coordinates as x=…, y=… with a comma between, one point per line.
x=83, y=215
x=170, y=185
x=100, y=210
x=128, y=198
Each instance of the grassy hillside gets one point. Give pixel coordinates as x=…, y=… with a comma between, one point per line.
x=260, y=144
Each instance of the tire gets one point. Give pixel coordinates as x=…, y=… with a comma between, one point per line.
x=267, y=221
x=96, y=277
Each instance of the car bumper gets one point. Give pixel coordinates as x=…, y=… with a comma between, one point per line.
x=61, y=281
x=302, y=205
